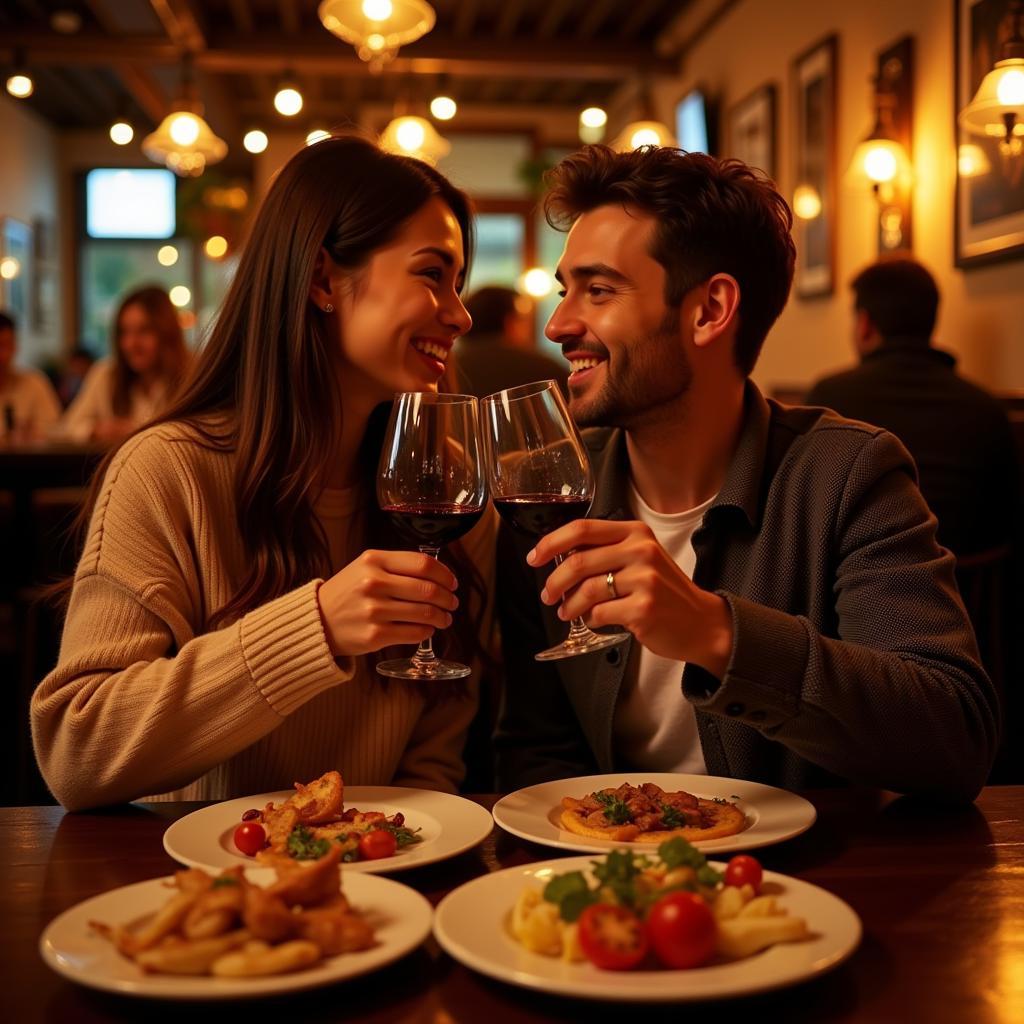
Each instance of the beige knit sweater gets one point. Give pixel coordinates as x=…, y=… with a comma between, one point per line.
x=143, y=701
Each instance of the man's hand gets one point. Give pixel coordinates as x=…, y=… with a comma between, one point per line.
x=655, y=601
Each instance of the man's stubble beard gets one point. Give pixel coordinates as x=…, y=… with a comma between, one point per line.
x=653, y=372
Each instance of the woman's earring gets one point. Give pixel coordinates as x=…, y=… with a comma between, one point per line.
x=328, y=308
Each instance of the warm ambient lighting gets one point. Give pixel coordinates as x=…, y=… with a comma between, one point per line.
x=443, y=108
x=643, y=133
x=377, y=28
x=255, y=141
x=185, y=143
x=593, y=121
x=10, y=268
x=414, y=136
x=180, y=295
x=536, y=282
x=806, y=202
x=167, y=255
x=317, y=135
x=880, y=161
x=216, y=247
x=997, y=109
x=972, y=161
x=121, y=133
x=20, y=86
x=288, y=101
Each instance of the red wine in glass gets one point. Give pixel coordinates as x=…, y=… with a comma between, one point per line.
x=540, y=479
x=434, y=525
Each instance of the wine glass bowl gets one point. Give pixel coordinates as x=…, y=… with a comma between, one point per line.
x=431, y=486
x=540, y=479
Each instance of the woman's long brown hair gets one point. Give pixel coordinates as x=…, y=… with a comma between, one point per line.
x=265, y=386
x=173, y=354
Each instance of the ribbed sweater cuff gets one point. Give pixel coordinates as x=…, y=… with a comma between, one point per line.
x=286, y=651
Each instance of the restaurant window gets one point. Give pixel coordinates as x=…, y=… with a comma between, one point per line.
x=499, y=256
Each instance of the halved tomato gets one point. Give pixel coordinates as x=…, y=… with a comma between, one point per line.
x=612, y=937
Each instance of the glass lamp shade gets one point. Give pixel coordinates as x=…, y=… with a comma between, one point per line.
x=416, y=137
x=880, y=161
x=185, y=143
x=997, y=109
x=643, y=133
x=377, y=28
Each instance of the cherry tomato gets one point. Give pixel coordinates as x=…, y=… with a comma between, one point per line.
x=744, y=870
x=681, y=929
x=612, y=937
x=377, y=844
x=250, y=838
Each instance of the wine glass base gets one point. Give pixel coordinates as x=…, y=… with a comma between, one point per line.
x=594, y=642
x=409, y=668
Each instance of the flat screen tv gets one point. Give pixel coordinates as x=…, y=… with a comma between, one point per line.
x=128, y=202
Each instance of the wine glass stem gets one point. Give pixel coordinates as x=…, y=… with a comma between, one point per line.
x=578, y=629
x=425, y=655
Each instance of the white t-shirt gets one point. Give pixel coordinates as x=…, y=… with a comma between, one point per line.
x=655, y=728
x=95, y=403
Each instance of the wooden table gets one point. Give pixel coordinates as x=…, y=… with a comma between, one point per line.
x=940, y=892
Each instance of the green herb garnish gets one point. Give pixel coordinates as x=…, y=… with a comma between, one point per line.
x=571, y=893
x=615, y=808
x=223, y=880
x=672, y=817
x=678, y=853
x=403, y=836
x=303, y=846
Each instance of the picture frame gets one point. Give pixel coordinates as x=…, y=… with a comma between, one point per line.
x=16, y=292
x=988, y=216
x=814, y=227
x=752, y=129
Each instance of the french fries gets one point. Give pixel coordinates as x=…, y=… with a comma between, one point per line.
x=229, y=928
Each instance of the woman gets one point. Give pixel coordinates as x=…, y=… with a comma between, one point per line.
x=203, y=651
x=120, y=394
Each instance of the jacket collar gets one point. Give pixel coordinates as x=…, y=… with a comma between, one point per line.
x=740, y=490
x=903, y=345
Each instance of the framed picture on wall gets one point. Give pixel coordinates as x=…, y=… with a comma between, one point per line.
x=814, y=195
x=751, y=130
x=989, y=215
x=15, y=268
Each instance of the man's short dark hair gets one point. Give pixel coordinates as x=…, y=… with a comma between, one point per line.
x=713, y=216
x=7, y=322
x=489, y=307
x=899, y=296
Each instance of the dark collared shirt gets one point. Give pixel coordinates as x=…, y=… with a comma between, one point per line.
x=852, y=657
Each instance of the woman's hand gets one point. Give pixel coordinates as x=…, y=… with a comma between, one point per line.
x=385, y=598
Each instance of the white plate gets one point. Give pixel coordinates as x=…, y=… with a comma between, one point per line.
x=471, y=924
x=400, y=917
x=772, y=814
x=450, y=825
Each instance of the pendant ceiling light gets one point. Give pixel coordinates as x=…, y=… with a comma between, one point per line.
x=183, y=141
x=377, y=28
x=409, y=135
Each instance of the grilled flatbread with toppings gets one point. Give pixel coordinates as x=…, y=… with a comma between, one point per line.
x=649, y=814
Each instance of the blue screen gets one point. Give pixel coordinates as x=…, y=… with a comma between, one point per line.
x=124, y=202
x=692, y=123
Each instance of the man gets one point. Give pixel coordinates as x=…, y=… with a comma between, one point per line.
x=795, y=621
x=958, y=434
x=28, y=403
x=498, y=352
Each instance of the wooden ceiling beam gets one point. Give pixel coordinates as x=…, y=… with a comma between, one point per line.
x=464, y=17
x=489, y=58
x=553, y=17
x=242, y=14
x=181, y=23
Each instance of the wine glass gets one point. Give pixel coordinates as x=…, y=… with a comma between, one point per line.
x=430, y=484
x=541, y=479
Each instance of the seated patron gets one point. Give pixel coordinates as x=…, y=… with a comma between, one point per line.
x=238, y=580
x=498, y=352
x=28, y=404
x=794, y=620
x=150, y=359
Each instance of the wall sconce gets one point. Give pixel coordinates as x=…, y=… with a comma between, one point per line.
x=883, y=159
x=997, y=110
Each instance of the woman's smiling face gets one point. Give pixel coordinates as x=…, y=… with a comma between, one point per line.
x=399, y=315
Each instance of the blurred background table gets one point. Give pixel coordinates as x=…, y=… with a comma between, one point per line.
x=940, y=892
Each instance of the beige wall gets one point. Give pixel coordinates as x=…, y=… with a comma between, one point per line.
x=29, y=193
x=982, y=314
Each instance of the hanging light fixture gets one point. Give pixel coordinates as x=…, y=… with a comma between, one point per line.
x=414, y=136
x=647, y=131
x=183, y=141
x=377, y=28
x=997, y=110
x=19, y=83
x=593, y=121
